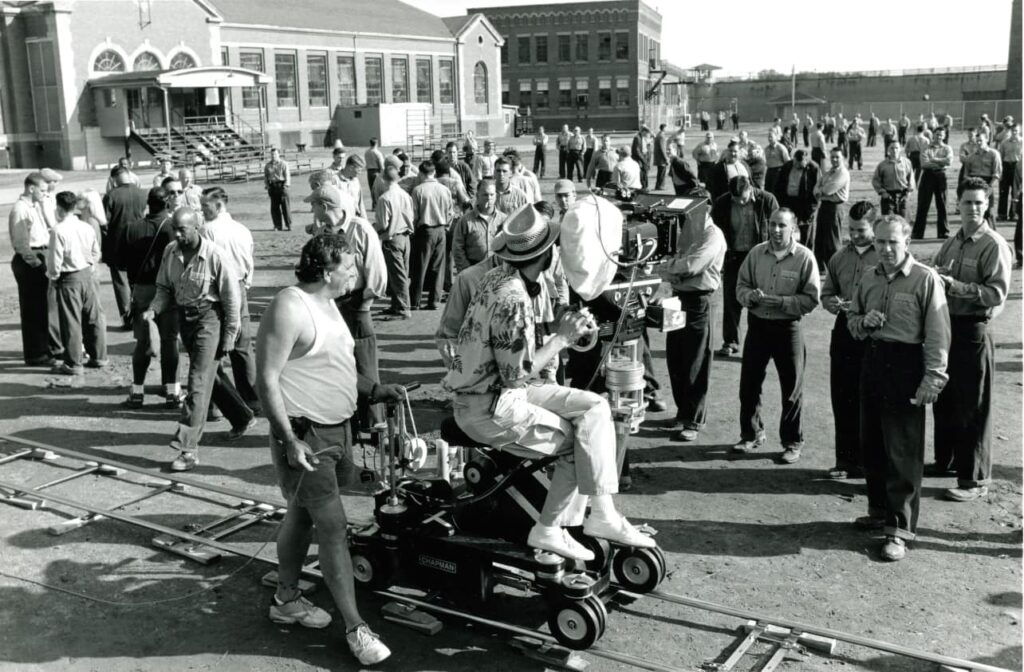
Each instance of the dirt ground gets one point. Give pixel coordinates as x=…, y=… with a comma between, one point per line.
x=738, y=530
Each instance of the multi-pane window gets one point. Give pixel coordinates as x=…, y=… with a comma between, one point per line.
x=374, y=80
x=564, y=48
x=604, y=91
x=604, y=46
x=446, y=81
x=224, y=56
x=45, y=88
x=523, y=50
x=251, y=60
x=346, y=80
x=542, y=97
x=621, y=46
x=565, y=93
x=285, y=79
x=480, y=84
x=108, y=61
x=400, y=80
x=582, y=47
x=622, y=91
x=525, y=94
x=504, y=93
x=504, y=53
x=316, y=71
x=541, y=51
x=182, y=61
x=147, y=60
x=582, y=92
x=424, y=83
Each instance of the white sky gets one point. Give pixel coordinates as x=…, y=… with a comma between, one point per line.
x=813, y=34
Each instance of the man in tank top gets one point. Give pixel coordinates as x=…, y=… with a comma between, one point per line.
x=307, y=380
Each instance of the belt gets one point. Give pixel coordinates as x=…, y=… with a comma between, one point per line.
x=41, y=249
x=301, y=425
x=969, y=319
x=893, y=345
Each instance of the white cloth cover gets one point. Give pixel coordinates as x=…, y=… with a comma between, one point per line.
x=591, y=231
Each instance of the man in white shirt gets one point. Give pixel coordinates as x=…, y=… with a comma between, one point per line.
x=483, y=164
x=235, y=240
x=394, y=220
x=374, y=159
x=191, y=193
x=626, y=175
x=349, y=182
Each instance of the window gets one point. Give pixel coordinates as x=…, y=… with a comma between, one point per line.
x=525, y=98
x=504, y=53
x=523, y=51
x=399, y=80
x=108, y=61
x=42, y=69
x=424, y=83
x=374, y=80
x=316, y=70
x=621, y=46
x=604, y=46
x=182, y=61
x=541, y=42
x=565, y=93
x=446, y=81
x=147, y=60
x=542, y=97
x=346, y=80
x=582, y=47
x=224, y=58
x=604, y=92
x=504, y=93
x=251, y=60
x=564, y=48
x=285, y=79
x=582, y=92
x=480, y=83
x=622, y=91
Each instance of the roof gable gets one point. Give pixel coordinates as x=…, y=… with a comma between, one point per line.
x=382, y=17
x=459, y=25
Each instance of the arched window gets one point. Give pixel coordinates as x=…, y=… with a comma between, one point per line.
x=108, y=61
x=480, y=83
x=147, y=60
x=181, y=61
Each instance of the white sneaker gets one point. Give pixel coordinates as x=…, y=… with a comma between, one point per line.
x=366, y=645
x=301, y=611
x=557, y=540
x=620, y=531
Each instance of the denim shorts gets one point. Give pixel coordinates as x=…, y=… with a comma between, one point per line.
x=310, y=489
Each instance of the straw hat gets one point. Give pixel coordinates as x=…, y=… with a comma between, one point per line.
x=527, y=235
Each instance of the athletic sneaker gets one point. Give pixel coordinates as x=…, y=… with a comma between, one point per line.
x=366, y=645
x=620, y=531
x=301, y=611
x=185, y=461
x=558, y=541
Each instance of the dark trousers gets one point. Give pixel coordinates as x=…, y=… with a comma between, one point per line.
x=361, y=325
x=81, y=317
x=1018, y=234
x=842, y=144
x=396, y=260
x=818, y=156
x=828, y=231
x=894, y=203
x=371, y=176
x=448, y=237
x=933, y=184
x=771, y=176
x=40, y=323
x=602, y=177
x=915, y=162
x=167, y=326
x=704, y=170
x=242, y=357
x=122, y=293
x=846, y=354
x=563, y=160
x=539, y=161
x=280, y=212
x=574, y=161
x=901, y=132
x=688, y=358
x=731, y=308
x=872, y=137
x=1005, y=190
x=703, y=125
x=588, y=154
x=426, y=264
x=659, y=181
x=645, y=168
x=855, y=154
x=780, y=341
x=886, y=141
x=892, y=433
x=207, y=381
x=807, y=137
x=963, y=417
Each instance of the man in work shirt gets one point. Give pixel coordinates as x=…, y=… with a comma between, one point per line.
x=706, y=156
x=394, y=219
x=641, y=153
x=661, y=157
x=1009, y=150
x=854, y=138
x=473, y=232
x=602, y=164
x=775, y=157
x=899, y=311
x=795, y=188
x=373, y=159
x=916, y=144
x=986, y=164
x=348, y=182
x=873, y=124
x=277, y=178
x=432, y=203
x=626, y=174
x=695, y=274
x=125, y=203
x=778, y=284
x=893, y=180
x=974, y=266
x=818, y=146
x=934, y=160
x=845, y=271
x=832, y=190
x=509, y=197
x=574, y=160
x=732, y=165
x=902, y=127
x=562, y=145
x=888, y=133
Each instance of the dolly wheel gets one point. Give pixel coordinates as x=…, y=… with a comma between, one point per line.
x=576, y=623
x=639, y=570
x=367, y=569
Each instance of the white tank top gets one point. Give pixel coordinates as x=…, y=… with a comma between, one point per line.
x=321, y=385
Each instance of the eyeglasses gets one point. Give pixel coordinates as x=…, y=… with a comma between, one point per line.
x=179, y=192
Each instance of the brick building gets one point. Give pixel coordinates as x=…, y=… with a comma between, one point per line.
x=80, y=79
x=586, y=64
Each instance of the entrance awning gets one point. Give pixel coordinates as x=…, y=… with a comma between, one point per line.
x=187, y=78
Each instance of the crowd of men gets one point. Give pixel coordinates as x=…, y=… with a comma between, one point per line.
x=471, y=229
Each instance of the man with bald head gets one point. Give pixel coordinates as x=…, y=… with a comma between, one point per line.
x=198, y=280
x=191, y=193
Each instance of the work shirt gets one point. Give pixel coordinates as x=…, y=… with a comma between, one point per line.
x=818, y=140
x=834, y=185
x=936, y=157
x=73, y=247
x=794, y=277
x=395, y=214
x=966, y=149
x=888, y=128
x=980, y=265
x=158, y=179
x=235, y=240
x=499, y=337
x=374, y=159
x=706, y=152
x=892, y=175
x=364, y=242
x=510, y=200
x=918, y=143
x=984, y=163
x=844, y=272
x=472, y=235
x=575, y=143
x=541, y=140
x=432, y=202
x=207, y=278
x=483, y=166
x=528, y=187
x=277, y=171
x=796, y=178
x=626, y=174
x=700, y=253
x=27, y=229
x=353, y=188
x=915, y=312
x=603, y=159
x=130, y=178
x=855, y=134
x=590, y=141
x=1009, y=149
x=192, y=197
x=562, y=142
x=775, y=155
x=743, y=222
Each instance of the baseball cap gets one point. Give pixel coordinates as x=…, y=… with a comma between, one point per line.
x=564, y=187
x=330, y=197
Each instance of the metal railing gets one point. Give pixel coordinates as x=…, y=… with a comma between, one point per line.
x=907, y=72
